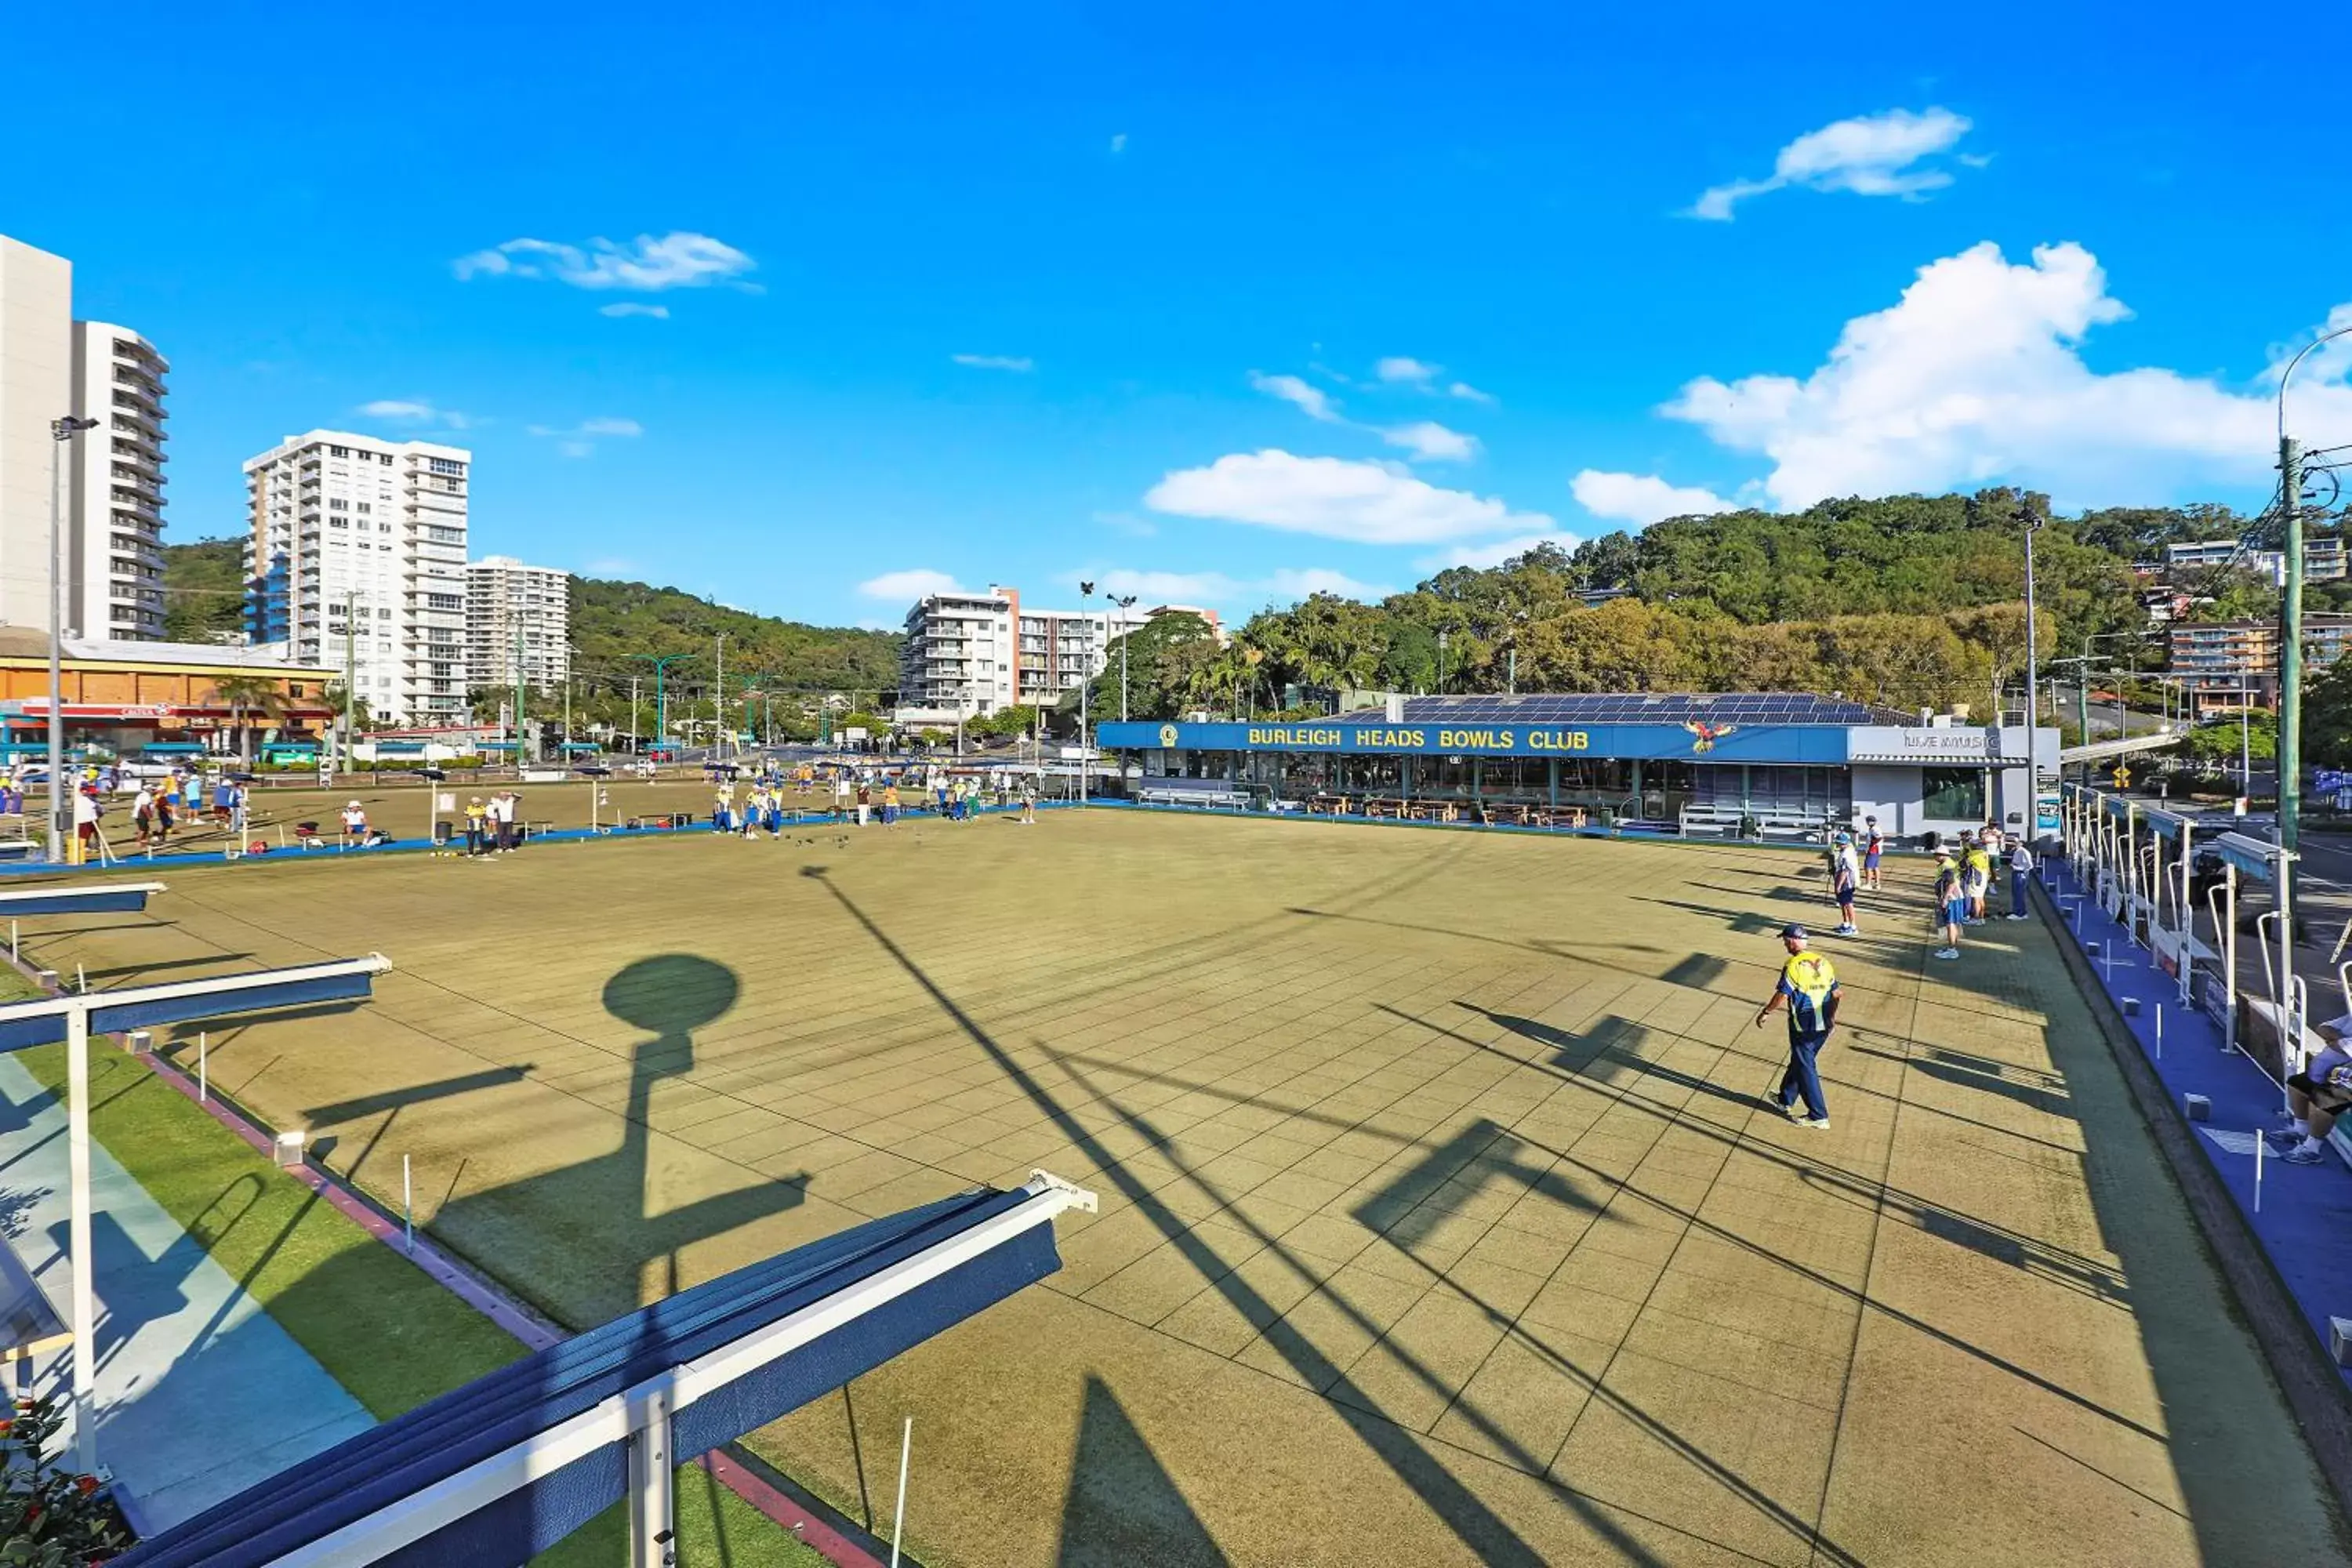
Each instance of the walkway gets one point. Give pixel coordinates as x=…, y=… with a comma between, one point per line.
x=200, y=1393
x=2302, y=1214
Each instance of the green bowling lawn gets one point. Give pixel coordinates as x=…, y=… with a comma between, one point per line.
x=1442, y=1218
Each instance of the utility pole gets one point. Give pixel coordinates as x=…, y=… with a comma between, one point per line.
x=351, y=673
x=637, y=739
x=2033, y=655
x=518, y=692
x=2290, y=715
x=718, y=700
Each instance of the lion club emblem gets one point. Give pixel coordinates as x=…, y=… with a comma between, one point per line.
x=1705, y=736
x=1168, y=737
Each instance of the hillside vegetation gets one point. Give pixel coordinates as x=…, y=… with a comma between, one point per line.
x=610, y=621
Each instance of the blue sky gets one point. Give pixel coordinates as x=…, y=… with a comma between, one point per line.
x=1213, y=303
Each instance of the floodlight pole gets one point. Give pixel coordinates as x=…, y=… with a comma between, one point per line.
x=61, y=433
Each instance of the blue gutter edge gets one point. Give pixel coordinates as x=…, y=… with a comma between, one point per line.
x=2287, y=1331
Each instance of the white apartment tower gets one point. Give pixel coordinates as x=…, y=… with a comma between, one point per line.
x=114, y=561
x=970, y=655
x=518, y=625
x=358, y=560
x=109, y=479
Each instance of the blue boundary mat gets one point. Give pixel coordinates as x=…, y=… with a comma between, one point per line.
x=2306, y=1222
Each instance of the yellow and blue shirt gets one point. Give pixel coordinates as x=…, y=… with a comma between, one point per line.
x=1808, y=981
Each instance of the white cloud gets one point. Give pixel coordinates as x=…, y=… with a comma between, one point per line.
x=1406, y=369
x=580, y=440
x=646, y=264
x=417, y=411
x=1469, y=394
x=1642, y=498
x=1434, y=441
x=1311, y=401
x=1017, y=363
x=1369, y=503
x=630, y=308
x=1493, y=552
x=1874, y=156
x=1219, y=591
x=1119, y=144
x=915, y=583
x=1975, y=376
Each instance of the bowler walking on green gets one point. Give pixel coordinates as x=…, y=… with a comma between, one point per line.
x=1808, y=990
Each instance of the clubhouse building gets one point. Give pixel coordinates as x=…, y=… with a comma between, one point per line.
x=1770, y=763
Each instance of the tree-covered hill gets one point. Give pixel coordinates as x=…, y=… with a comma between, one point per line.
x=610, y=621
x=203, y=591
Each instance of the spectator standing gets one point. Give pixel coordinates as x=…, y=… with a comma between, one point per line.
x=1807, y=990
x=2020, y=872
x=864, y=801
x=477, y=819
x=509, y=824
x=239, y=800
x=890, y=803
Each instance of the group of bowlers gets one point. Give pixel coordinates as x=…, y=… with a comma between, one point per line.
x=1965, y=874
x=855, y=797
x=1807, y=989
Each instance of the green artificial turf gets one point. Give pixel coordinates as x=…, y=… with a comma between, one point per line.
x=379, y=1327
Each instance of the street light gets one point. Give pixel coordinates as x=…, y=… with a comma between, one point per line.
x=62, y=432
x=1124, y=603
x=1086, y=684
x=661, y=695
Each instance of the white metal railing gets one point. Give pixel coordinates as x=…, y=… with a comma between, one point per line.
x=641, y=1415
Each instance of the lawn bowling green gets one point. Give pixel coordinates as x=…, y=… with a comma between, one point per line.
x=1442, y=1219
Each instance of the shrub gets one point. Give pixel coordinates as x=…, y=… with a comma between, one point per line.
x=49, y=1517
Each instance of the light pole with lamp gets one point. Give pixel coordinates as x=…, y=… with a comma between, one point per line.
x=661, y=692
x=1125, y=604
x=1086, y=685
x=61, y=433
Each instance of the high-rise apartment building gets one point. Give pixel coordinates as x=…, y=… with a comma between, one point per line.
x=114, y=561
x=358, y=560
x=108, y=480
x=518, y=625
x=36, y=387
x=972, y=654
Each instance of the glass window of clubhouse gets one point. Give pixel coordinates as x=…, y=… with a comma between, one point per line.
x=1749, y=762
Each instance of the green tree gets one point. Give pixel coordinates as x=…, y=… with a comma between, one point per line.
x=248, y=697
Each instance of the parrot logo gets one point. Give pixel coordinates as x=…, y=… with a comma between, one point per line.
x=1705, y=736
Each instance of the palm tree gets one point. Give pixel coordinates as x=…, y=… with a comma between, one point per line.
x=253, y=694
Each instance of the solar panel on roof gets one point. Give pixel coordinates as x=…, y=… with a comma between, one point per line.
x=1605, y=707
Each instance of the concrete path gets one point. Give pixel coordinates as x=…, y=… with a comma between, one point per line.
x=200, y=1393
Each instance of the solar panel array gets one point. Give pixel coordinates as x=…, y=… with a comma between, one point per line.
x=1644, y=708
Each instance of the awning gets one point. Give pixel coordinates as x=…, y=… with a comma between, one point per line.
x=1918, y=760
x=43, y=1023
x=504, y=1467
